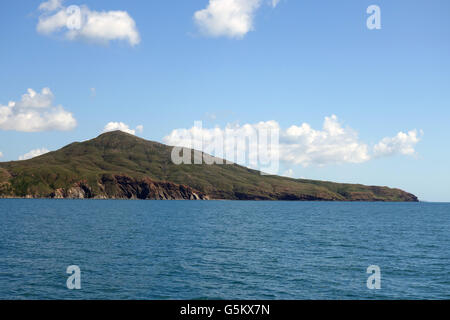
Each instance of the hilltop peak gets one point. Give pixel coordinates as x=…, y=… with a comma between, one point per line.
x=119, y=139
x=117, y=134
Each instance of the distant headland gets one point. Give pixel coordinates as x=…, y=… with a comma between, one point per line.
x=117, y=165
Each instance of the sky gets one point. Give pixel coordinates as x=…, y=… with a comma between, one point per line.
x=352, y=104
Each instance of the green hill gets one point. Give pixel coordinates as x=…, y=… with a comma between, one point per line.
x=118, y=165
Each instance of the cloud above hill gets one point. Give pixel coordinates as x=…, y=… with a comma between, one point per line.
x=35, y=112
x=113, y=126
x=299, y=144
x=34, y=153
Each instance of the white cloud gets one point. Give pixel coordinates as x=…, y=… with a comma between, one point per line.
x=140, y=128
x=333, y=144
x=34, y=153
x=113, y=126
x=230, y=18
x=50, y=5
x=83, y=23
x=402, y=143
x=34, y=113
x=300, y=145
x=235, y=143
x=32, y=99
x=1, y=154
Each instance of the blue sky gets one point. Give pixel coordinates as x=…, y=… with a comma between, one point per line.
x=298, y=62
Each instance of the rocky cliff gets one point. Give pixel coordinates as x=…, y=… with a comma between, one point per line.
x=123, y=187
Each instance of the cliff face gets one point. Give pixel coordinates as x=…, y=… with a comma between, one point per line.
x=117, y=165
x=124, y=187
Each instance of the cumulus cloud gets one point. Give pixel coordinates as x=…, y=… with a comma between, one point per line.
x=113, y=126
x=300, y=145
x=234, y=143
x=34, y=113
x=1, y=154
x=402, y=143
x=229, y=18
x=333, y=144
x=82, y=23
x=34, y=153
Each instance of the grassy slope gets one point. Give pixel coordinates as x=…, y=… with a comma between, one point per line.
x=120, y=153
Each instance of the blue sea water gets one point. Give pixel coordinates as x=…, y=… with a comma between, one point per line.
x=223, y=249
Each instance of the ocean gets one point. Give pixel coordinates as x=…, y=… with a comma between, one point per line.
x=223, y=249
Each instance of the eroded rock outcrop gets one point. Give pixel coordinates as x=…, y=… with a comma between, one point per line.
x=125, y=187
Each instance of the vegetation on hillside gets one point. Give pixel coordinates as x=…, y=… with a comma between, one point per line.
x=86, y=166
